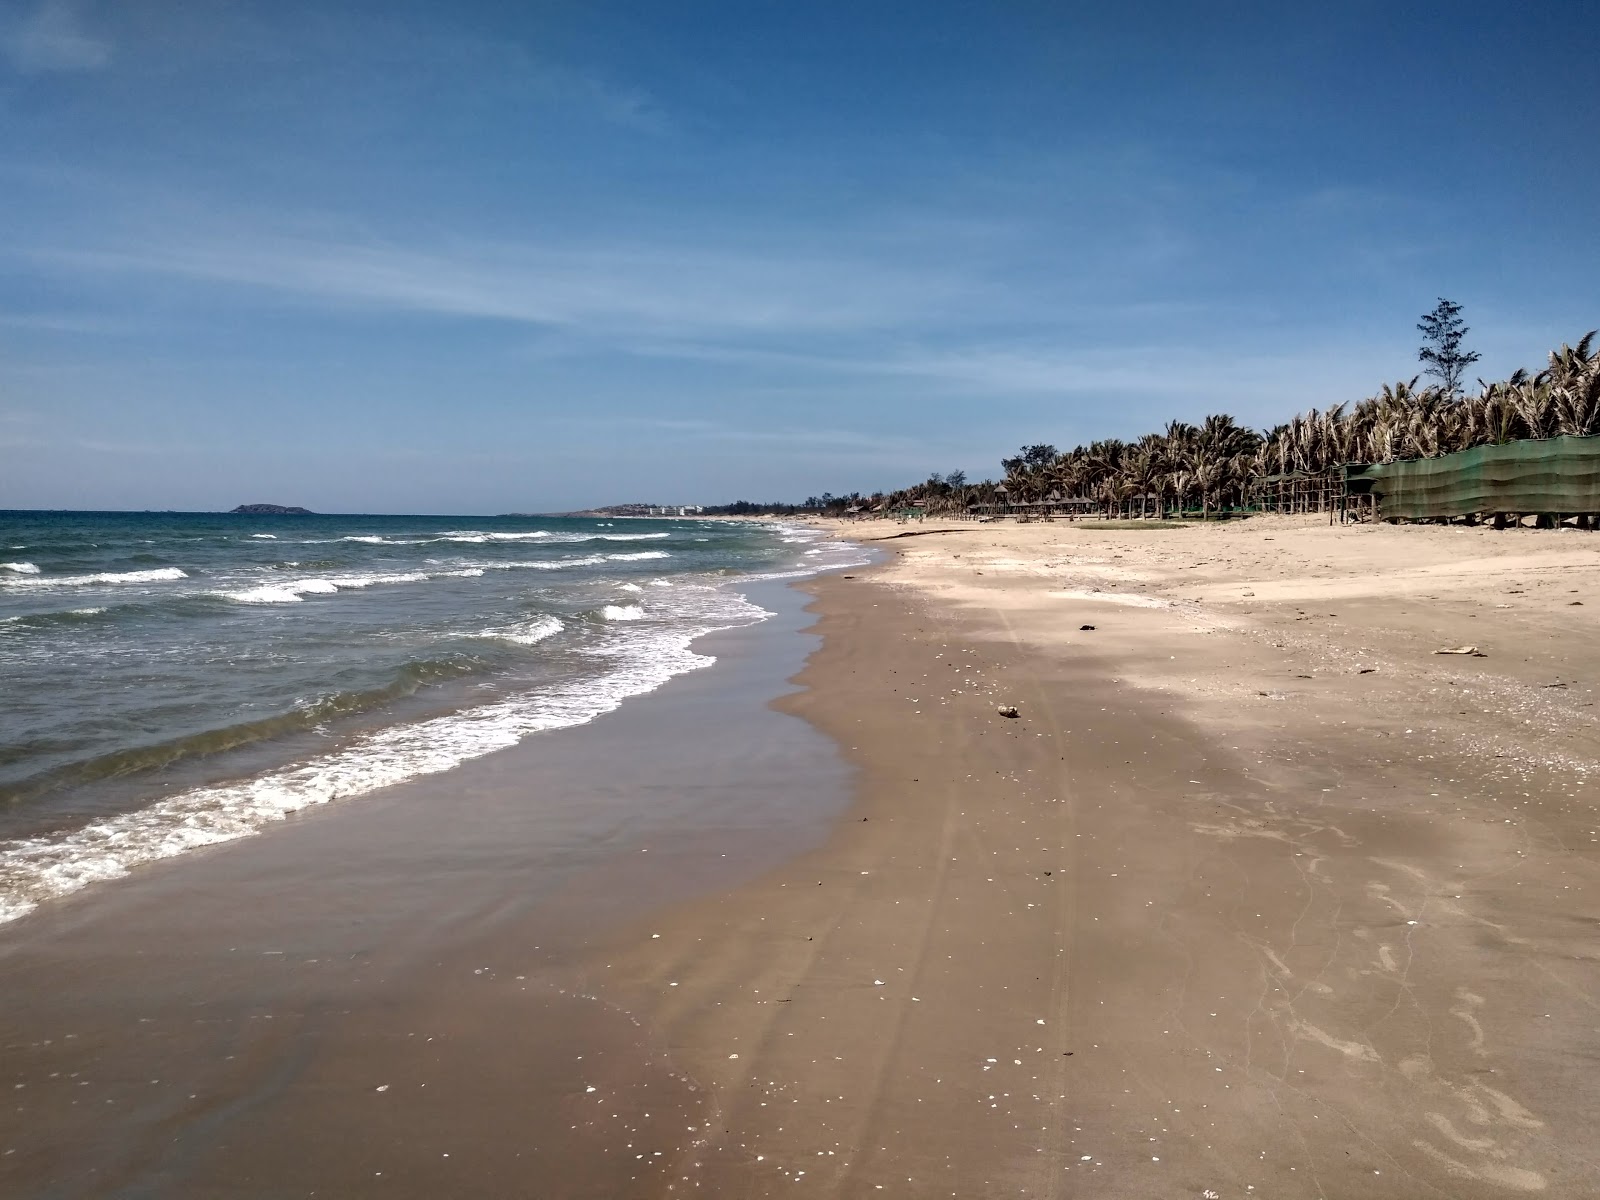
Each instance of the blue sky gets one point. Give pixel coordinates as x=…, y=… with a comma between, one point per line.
x=479, y=257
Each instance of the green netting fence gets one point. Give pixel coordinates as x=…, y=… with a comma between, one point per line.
x=1554, y=475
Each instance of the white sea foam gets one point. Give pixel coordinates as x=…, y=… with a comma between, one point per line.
x=366, y=581
x=290, y=591
x=106, y=578
x=622, y=612
x=631, y=587
x=835, y=556
x=641, y=556
x=528, y=633
x=282, y=593
x=551, y=564
x=634, y=662
x=473, y=535
x=270, y=537
x=21, y=568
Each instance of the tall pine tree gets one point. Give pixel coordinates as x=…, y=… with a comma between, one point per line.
x=1441, y=354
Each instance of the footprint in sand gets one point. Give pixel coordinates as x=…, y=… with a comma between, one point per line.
x=1477, y=1156
x=1465, y=1011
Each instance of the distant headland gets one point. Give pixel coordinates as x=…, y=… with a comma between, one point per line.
x=271, y=510
x=625, y=510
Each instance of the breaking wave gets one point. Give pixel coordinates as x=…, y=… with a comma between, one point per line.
x=105, y=578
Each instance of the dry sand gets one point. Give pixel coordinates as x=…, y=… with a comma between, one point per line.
x=1258, y=897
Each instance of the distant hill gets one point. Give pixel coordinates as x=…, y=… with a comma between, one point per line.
x=271, y=510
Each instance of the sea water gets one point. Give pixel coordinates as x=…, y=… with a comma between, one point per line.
x=173, y=680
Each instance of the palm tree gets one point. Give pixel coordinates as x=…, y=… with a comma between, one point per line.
x=1223, y=461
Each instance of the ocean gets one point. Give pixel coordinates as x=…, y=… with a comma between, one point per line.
x=174, y=680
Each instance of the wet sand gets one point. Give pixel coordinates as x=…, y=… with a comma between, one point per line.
x=1257, y=897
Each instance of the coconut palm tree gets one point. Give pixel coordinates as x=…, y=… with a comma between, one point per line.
x=1223, y=462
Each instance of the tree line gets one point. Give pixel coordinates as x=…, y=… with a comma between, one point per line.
x=1218, y=463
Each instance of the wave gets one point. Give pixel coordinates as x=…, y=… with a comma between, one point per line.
x=474, y=535
x=477, y=537
x=50, y=620
x=370, y=539
x=549, y=564
x=271, y=537
x=587, y=560
x=528, y=633
x=292, y=591
x=622, y=612
x=21, y=568
x=407, y=680
x=353, y=582
x=564, y=539
x=36, y=869
x=110, y=578
x=281, y=593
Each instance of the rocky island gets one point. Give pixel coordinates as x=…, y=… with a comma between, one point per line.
x=271, y=510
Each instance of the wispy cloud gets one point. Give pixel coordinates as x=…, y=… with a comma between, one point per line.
x=900, y=323
x=646, y=290
x=812, y=437
x=57, y=322
x=52, y=38
x=630, y=107
x=1220, y=376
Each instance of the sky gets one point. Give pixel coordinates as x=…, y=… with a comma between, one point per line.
x=480, y=257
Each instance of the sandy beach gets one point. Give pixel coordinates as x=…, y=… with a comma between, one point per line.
x=1257, y=896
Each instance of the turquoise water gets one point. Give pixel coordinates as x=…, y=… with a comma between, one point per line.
x=174, y=680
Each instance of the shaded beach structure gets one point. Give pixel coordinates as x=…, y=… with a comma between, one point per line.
x=1053, y=505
